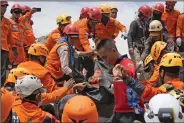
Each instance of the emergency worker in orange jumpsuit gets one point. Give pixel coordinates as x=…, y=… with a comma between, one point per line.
x=169, y=17
x=5, y=40
x=30, y=38
x=180, y=32
x=30, y=89
x=83, y=13
x=109, y=27
x=7, y=101
x=86, y=31
x=62, y=21
x=169, y=71
x=62, y=55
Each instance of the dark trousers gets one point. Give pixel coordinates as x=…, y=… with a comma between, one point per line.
x=126, y=117
x=4, y=62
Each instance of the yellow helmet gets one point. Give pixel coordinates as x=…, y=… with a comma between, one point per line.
x=157, y=48
x=64, y=19
x=179, y=95
x=148, y=59
x=155, y=25
x=105, y=8
x=38, y=50
x=171, y=60
x=114, y=7
x=17, y=73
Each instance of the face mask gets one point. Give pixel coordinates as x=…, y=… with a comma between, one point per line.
x=105, y=19
x=157, y=16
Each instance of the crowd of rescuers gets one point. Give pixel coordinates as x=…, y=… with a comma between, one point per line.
x=66, y=80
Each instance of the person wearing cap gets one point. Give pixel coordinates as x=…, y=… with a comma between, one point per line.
x=62, y=55
x=86, y=28
x=5, y=40
x=109, y=28
x=136, y=35
x=114, y=12
x=62, y=21
x=30, y=89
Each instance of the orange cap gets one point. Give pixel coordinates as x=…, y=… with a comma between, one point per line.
x=7, y=100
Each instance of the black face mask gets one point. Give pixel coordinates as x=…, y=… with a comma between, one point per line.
x=157, y=16
x=104, y=19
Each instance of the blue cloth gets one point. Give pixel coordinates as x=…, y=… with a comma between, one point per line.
x=133, y=100
x=72, y=58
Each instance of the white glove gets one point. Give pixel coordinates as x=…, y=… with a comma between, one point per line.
x=178, y=41
x=124, y=34
x=76, y=54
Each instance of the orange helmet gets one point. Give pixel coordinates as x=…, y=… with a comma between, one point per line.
x=38, y=50
x=4, y=3
x=84, y=12
x=16, y=73
x=71, y=30
x=80, y=109
x=26, y=8
x=105, y=8
x=95, y=14
x=157, y=48
x=145, y=10
x=7, y=100
x=159, y=7
x=15, y=6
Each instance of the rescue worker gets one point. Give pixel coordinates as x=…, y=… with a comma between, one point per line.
x=158, y=49
x=156, y=34
x=158, y=10
x=114, y=12
x=29, y=88
x=62, y=21
x=62, y=56
x=30, y=38
x=123, y=95
x=169, y=74
x=7, y=100
x=109, y=28
x=74, y=113
x=136, y=34
x=148, y=67
x=37, y=55
x=159, y=106
x=86, y=31
x=180, y=33
x=169, y=17
x=5, y=40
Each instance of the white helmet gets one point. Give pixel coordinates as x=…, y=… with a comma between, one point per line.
x=26, y=85
x=163, y=108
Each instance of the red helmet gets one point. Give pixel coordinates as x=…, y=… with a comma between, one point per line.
x=171, y=3
x=71, y=29
x=84, y=12
x=26, y=8
x=15, y=6
x=145, y=10
x=4, y=3
x=95, y=14
x=159, y=7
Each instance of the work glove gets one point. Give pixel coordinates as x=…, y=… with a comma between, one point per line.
x=124, y=34
x=178, y=42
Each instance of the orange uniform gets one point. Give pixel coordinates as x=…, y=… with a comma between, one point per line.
x=28, y=112
x=5, y=34
x=53, y=38
x=18, y=39
x=25, y=21
x=40, y=72
x=180, y=27
x=155, y=77
x=149, y=91
x=84, y=34
x=53, y=64
x=170, y=20
x=109, y=31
